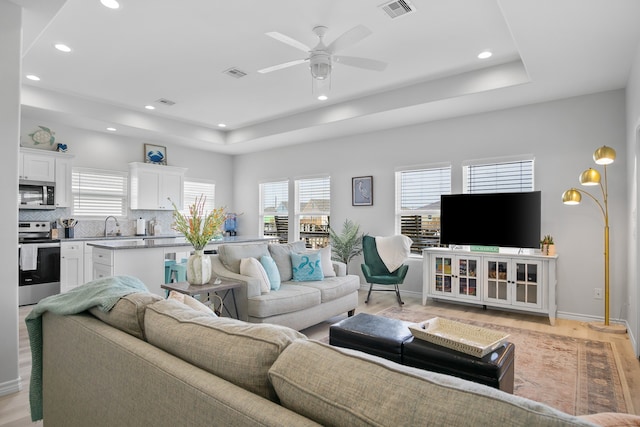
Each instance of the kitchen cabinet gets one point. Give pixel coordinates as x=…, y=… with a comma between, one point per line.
x=154, y=187
x=63, y=182
x=34, y=166
x=510, y=281
x=71, y=265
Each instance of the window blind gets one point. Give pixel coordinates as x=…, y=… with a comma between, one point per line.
x=98, y=193
x=498, y=177
x=194, y=189
x=314, y=196
x=274, y=197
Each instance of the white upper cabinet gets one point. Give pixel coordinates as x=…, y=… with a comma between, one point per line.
x=153, y=187
x=37, y=167
x=63, y=182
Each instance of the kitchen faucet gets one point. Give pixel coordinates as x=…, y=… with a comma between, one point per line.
x=105, y=224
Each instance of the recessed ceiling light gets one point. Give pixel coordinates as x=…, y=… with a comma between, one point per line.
x=222, y=125
x=62, y=47
x=112, y=129
x=484, y=55
x=111, y=4
x=149, y=107
x=33, y=77
x=323, y=97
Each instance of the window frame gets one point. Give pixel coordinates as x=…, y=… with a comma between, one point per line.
x=322, y=237
x=496, y=161
x=261, y=206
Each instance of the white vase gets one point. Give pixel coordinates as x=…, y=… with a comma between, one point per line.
x=199, y=268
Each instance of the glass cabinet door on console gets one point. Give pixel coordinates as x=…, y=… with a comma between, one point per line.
x=527, y=282
x=497, y=282
x=456, y=275
x=513, y=282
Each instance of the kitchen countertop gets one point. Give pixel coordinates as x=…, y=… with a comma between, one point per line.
x=131, y=237
x=170, y=241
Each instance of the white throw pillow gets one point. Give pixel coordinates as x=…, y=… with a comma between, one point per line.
x=251, y=267
x=190, y=302
x=325, y=261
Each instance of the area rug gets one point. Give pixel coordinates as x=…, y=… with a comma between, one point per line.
x=574, y=375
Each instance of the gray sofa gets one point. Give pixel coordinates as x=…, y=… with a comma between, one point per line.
x=297, y=305
x=153, y=362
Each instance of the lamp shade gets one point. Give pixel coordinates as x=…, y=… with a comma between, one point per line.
x=590, y=177
x=571, y=197
x=604, y=155
x=320, y=65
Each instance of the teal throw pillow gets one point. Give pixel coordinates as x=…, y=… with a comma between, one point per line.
x=306, y=266
x=272, y=271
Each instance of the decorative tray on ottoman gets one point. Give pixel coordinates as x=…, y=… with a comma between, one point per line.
x=468, y=339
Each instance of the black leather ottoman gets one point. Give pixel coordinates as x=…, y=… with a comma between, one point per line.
x=392, y=339
x=496, y=369
x=371, y=334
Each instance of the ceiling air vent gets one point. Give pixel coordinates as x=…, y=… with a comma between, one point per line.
x=397, y=8
x=234, y=72
x=166, y=102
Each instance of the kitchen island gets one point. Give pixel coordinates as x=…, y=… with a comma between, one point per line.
x=145, y=259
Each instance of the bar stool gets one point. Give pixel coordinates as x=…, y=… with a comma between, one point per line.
x=168, y=263
x=179, y=271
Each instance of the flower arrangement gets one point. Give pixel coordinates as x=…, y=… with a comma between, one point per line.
x=198, y=227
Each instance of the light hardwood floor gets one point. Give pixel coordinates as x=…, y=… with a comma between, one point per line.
x=14, y=409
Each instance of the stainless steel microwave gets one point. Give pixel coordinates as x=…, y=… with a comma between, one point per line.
x=36, y=195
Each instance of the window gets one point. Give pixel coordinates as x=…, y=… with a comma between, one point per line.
x=195, y=188
x=274, y=209
x=418, y=204
x=507, y=176
x=99, y=193
x=313, y=205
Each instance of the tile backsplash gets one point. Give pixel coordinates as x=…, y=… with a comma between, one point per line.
x=95, y=227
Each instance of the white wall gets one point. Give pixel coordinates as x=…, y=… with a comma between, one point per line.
x=562, y=136
x=10, y=44
x=633, y=192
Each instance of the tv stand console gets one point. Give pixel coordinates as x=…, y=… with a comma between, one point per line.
x=509, y=281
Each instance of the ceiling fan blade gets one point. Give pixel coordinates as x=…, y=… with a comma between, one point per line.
x=369, y=64
x=288, y=40
x=349, y=38
x=283, y=65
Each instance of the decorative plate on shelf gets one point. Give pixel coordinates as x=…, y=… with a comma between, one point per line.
x=42, y=138
x=468, y=339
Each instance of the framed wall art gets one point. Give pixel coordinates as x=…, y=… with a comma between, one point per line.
x=155, y=154
x=362, y=191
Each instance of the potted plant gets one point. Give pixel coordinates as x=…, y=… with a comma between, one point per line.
x=346, y=245
x=198, y=227
x=548, y=246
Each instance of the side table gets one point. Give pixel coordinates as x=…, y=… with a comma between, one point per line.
x=226, y=285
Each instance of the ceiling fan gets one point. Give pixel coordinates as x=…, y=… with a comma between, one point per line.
x=321, y=56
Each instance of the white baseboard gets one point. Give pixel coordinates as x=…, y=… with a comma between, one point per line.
x=10, y=387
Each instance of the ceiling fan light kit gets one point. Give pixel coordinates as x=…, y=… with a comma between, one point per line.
x=322, y=57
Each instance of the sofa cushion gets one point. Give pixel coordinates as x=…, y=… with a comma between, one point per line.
x=334, y=287
x=306, y=266
x=236, y=351
x=190, y=301
x=128, y=313
x=289, y=298
x=350, y=388
x=271, y=269
x=281, y=254
x=251, y=267
x=230, y=255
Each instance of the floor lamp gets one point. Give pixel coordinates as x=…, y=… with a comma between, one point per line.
x=603, y=156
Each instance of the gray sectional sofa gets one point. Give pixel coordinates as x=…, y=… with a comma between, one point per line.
x=153, y=362
x=296, y=304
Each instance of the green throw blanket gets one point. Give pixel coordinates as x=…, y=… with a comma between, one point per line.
x=103, y=293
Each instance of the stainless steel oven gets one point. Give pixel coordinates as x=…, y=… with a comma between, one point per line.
x=38, y=263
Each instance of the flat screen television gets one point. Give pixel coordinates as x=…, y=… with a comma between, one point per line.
x=491, y=219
